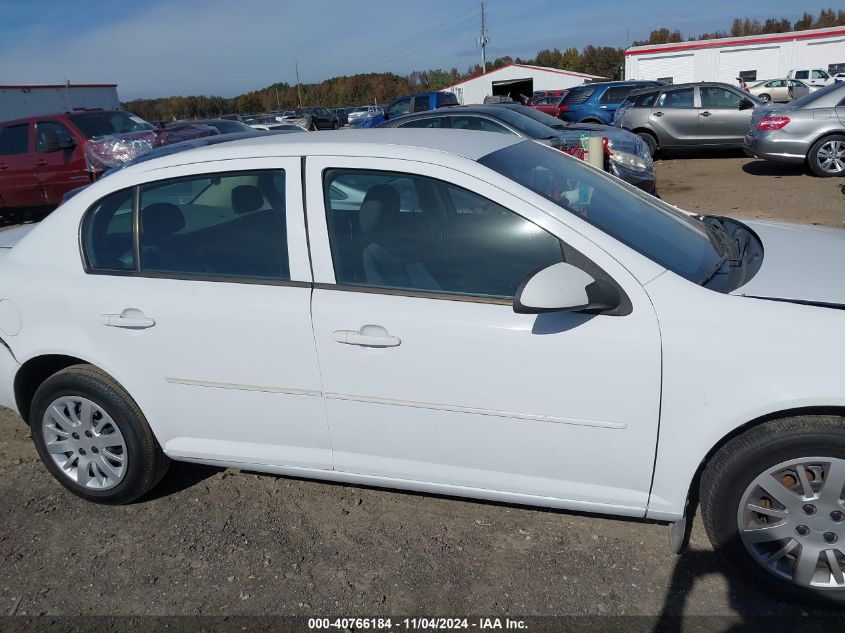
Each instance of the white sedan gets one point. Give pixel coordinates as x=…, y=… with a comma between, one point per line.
x=452, y=312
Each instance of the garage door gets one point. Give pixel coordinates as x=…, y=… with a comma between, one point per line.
x=763, y=59
x=677, y=68
x=823, y=54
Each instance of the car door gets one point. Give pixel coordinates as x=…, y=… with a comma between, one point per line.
x=431, y=377
x=18, y=186
x=59, y=160
x=674, y=117
x=797, y=89
x=722, y=120
x=611, y=100
x=206, y=320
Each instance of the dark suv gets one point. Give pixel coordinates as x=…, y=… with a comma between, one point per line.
x=597, y=102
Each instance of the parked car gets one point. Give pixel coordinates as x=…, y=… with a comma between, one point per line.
x=810, y=130
x=275, y=127
x=779, y=90
x=703, y=114
x=547, y=105
x=313, y=119
x=43, y=157
x=549, y=93
x=420, y=102
x=813, y=77
x=627, y=155
x=363, y=111
x=493, y=99
x=597, y=102
x=357, y=342
x=224, y=126
x=838, y=77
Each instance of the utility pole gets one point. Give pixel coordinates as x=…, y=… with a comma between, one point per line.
x=482, y=41
x=298, y=91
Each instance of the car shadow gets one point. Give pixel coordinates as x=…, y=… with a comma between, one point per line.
x=699, y=152
x=757, y=608
x=180, y=476
x=770, y=168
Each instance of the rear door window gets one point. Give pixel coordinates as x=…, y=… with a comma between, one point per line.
x=430, y=122
x=14, y=140
x=422, y=104
x=477, y=123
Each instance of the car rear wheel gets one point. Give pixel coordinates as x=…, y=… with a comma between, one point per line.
x=827, y=156
x=650, y=141
x=773, y=505
x=93, y=438
x=765, y=98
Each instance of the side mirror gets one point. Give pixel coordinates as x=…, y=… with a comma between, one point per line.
x=564, y=288
x=745, y=104
x=385, y=115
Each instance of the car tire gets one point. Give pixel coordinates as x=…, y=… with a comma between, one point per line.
x=651, y=141
x=765, y=98
x=313, y=127
x=792, y=472
x=826, y=157
x=335, y=126
x=85, y=410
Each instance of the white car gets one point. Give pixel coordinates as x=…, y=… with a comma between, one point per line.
x=443, y=311
x=362, y=112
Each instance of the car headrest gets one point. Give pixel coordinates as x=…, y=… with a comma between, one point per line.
x=380, y=208
x=246, y=198
x=161, y=219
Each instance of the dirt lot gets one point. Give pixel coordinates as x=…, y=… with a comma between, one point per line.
x=227, y=542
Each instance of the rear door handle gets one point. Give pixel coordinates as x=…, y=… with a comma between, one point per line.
x=3, y=166
x=41, y=162
x=658, y=114
x=367, y=336
x=130, y=319
x=705, y=114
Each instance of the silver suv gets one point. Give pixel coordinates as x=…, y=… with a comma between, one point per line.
x=688, y=115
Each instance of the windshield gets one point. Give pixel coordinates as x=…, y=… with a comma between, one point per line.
x=524, y=124
x=92, y=124
x=651, y=227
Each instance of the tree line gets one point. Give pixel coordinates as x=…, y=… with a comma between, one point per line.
x=379, y=88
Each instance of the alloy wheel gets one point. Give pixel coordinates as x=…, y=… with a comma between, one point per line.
x=791, y=519
x=831, y=157
x=84, y=442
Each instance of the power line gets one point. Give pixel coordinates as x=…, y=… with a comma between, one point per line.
x=460, y=19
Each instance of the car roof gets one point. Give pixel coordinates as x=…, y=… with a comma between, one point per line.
x=388, y=142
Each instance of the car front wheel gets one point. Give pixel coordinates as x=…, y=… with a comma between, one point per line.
x=93, y=438
x=650, y=141
x=827, y=156
x=773, y=507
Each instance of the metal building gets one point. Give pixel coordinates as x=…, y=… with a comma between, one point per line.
x=753, y=57
x=516, y=80
x=34, y=100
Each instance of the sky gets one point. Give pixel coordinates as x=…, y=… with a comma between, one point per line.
x=157, y=48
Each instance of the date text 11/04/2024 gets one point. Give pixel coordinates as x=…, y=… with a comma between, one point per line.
x=431, y=624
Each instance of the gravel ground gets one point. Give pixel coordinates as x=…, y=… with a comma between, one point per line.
x=210, y=541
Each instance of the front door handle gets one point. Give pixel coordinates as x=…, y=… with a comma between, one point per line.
x=3, y=166
x=367, y=336
x=41, y=162
x=658, y=114
x=705, y=114
x=130, y=318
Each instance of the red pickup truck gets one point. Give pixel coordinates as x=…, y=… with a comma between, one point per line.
x=43, y=157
